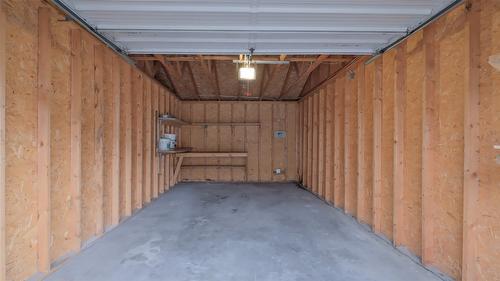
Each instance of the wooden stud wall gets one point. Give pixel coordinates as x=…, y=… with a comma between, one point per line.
x=79, y=140
x=420, y=124
x=265, y=152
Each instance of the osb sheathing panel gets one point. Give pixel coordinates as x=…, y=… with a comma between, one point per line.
x=90, y=192
x=445, y=207
x=264, y=151
x=412, y=186
x=350, y=140
x=487, y=232
x=21, y=120
x=447, y=195
x=387, y=143
x=60, y=139
x=365, y=198
x=20, y=139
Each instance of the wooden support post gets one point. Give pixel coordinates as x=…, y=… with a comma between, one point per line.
x=377, y=147
x=470, y=258
x=99, y=135
x=43, y=139
x=76, y=138
x=178, y=168
x=115, y=150
x=399, y=135
x=430, y=164
x=3, y=85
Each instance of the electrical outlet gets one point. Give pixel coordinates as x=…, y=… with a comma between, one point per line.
x=278, y=171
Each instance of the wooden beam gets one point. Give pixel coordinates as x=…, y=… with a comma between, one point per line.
x=193, y=81
x=319, y=60
x=399, y=134
x=472, y=144
x=377, y=147
x=76, y=138
x=336, y=74
x=3, y=85
x=43, y=139
x=171, y=72
x=332, y=59
x=206, y=68
x=216, y=77
x=285, y=82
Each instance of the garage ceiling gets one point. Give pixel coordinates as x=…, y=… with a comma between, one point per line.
x=270, y=26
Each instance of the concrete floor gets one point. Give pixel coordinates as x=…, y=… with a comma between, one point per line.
x=240, y=232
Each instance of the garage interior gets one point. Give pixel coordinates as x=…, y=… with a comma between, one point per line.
x=249, y=140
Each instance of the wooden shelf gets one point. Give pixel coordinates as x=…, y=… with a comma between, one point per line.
x=172, y=121
x=213, y=154
x=214, y=166
x=195, y=124
x=175, y=151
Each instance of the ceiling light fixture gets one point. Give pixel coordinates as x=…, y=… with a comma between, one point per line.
x=247, y=70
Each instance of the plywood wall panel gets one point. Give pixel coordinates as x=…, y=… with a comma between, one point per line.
x=225, y=140
x=221, y=128
x=266, y=138
x=79, y=125
x=155, y=128
x=484, y=262
x=89, y=191
x=412, y=184
x=137, y=135
x=321, y=143
x=387, y=144
x=291, y=150
x=435, y=105
x=350, y=144
x=147, y=141
x=125, y=142
x=329, y=142
x=111, y=140
x=211, y=136
x=252, y=142
x=339, y=187
x=278, y=146
x=238, y=138
x=60, y=169
x=314, y=143
x=20, y=145
x=99, y=52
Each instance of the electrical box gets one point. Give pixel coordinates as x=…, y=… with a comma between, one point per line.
x=280, y=134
